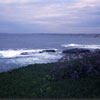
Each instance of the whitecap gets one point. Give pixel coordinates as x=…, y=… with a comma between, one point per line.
x=82, y=46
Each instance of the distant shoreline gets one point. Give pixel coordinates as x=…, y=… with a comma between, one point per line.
x=67, y=34
x=93, y=34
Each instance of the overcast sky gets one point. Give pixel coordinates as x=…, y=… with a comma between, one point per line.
x=49, y=16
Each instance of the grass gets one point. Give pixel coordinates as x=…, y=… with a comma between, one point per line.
x=31, y=82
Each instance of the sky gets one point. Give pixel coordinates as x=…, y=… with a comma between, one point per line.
x=50, y=16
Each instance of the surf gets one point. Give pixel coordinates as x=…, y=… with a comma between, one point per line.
x=92, y=46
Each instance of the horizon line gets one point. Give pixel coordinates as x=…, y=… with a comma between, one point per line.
x=54, y=33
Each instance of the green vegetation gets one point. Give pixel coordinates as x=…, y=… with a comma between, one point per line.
x=31, y=82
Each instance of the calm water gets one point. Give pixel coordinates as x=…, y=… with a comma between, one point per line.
x=12, y=47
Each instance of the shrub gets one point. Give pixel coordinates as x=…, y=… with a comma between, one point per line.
x=87, y=66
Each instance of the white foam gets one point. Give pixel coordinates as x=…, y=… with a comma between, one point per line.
x=82, y=46
x=13, y=58
x=37, y=58
x=9, y=53
x=18, y=53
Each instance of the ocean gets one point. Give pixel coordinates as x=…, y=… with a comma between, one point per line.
x=17, y=50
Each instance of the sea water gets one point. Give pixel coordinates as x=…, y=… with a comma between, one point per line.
x=17, y=50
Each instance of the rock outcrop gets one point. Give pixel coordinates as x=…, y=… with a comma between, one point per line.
x=47, y=51
x=76, y=50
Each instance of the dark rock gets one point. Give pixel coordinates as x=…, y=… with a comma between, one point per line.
x=74, y=51
x=47, y=51
x=24, y=53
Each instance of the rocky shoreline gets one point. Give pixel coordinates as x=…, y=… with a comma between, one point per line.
x=75, y=53
x=77, y=63
x=68, y=54
x=41, y=51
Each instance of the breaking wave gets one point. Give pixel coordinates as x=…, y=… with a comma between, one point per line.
x=11, y=59
x=21, y=53
x=82, y=46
